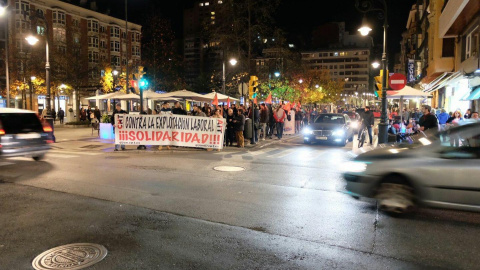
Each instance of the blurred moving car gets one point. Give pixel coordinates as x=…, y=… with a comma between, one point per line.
x=23, y=134
x=329, y=127
x=426, y=172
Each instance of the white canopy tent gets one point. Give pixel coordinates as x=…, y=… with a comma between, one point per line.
x=221, y=97
x=106, y=96
x=406, y=93
x=187, y=95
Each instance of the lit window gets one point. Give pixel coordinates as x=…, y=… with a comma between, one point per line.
x=220, y=1
x=213, y=12
x=207, y=3
x=201, y=4
x=335, y=54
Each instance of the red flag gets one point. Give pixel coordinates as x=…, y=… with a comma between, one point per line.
x=299, y=105
x=269, y=99
x=215, y=100
x=255, y=100
x=228, y=102
x=287, y=107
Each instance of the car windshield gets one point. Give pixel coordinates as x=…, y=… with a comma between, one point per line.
x=14, y=123
x=330, y=119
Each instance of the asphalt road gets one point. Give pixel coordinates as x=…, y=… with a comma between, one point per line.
x=171, y=210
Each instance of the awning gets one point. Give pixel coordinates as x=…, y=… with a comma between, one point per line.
x=443, y=80
x=475, y=94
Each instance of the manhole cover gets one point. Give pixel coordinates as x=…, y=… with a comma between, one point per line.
x=229, y=169
x=72, y=256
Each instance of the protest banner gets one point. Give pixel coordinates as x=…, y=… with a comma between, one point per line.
x=169, y=129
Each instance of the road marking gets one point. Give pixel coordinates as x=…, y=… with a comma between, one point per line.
x=286, y=153
x=258, y=152
x=60, y=156
x=312, y=157
x=6, y=163
x=74, y=152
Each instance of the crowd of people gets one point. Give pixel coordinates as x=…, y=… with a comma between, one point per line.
x=415, y=120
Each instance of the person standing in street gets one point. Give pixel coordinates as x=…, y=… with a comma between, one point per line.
x=118, y=110
x=89, y=114
x=279, y=116
x=369, y=122
x=61, y=115
x=230, y=128
x=468, y=114
x=263, y=120
x=97, y=113
x=239, y=123
x=177, y=109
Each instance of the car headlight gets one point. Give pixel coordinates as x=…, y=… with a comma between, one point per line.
x=307, y=131
x=354, y=124
x=339, y=132
x=355, y=166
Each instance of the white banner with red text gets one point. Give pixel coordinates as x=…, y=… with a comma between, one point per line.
x=169, y=129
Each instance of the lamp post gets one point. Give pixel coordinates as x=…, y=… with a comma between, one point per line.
x=232, y=62
x=114, y=75
x=33, y=78
x=366, y=6
x=32, y=40
x=4, y=13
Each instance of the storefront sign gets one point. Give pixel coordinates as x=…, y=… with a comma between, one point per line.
x=411, y=71
x=163, y=129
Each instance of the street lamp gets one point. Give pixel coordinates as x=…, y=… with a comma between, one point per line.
x=232, y=62
x=364, y=30
x=375, y=65
x=33, y=78
x=277, y=74
x=366, y=6
x=300, y=81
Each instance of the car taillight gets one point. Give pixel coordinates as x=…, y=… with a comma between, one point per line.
x=47, y=128
x=2, y=131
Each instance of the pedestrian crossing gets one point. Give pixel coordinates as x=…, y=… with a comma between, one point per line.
x=299, y=153
x=51, y=155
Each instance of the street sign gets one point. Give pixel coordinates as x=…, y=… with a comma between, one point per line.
x=242, y=89
x=397, y=81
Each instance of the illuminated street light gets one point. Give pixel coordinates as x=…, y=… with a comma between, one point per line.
x=233, y=61
x=33, y=78
x=300, y=81
x=277, y=74
x=115, y=73
x=3, y=10
x=375, y=64
x=364, y=30
x=32, y=40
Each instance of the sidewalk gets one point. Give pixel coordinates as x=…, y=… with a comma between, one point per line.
x=82, y=139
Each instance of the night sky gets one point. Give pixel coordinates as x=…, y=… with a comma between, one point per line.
x=297, y=17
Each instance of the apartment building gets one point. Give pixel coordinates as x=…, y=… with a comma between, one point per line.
x=350, y=65
x=76, y=32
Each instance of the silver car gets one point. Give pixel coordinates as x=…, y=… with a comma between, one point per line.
x=437, y=171
x=22, y=134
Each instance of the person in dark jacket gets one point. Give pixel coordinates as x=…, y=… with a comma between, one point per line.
x=263, y=120
x=97, y=113
x=368, y=121
x=256, y=118
x=118, y=110
x=230, y=132
x=239, y=123
x=61, y=115
x=178, y=109
x=271, y=121
x=428, y=120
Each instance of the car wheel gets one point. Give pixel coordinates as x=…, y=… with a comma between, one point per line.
x=395, y=196
x=38, y=158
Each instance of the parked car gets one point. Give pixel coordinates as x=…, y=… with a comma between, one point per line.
x=425, y=172
x=329, y=127
x=23, y=134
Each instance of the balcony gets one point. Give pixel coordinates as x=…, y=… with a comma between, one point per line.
x=456, y=16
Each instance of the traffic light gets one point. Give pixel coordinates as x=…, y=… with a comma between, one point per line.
x=143, y=84
x=378, y=84
x=252, y=86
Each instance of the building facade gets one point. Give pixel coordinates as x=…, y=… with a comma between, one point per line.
x=460, y=20
x=91, y=39
x=201, y=56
